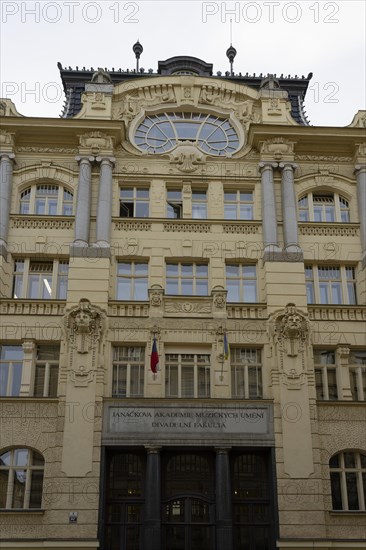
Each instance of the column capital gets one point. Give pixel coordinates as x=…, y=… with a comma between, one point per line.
x=152, y=449
x=106, y=159
x=8, y=155
x=28, y=346
x=223, y=450
x=360, y=168
x=289, y=164
x=267, y=165
x=84, y=158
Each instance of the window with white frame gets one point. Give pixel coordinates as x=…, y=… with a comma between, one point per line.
x=46, y=371
x=357, y=366
x=325, y=374
x=40, y=279
x=246, y=373
x=132, y=280
x=187, y=375
x=174, y=204
x=330, y=284
x=199, y=205
x=187, y=279
x=11, y=367
x=21, y=473
x=238, y=205
x=348, y=481
x=46, y=200
x=128, y=371
x=323, y=207
x=134, y=202
x=241, y=283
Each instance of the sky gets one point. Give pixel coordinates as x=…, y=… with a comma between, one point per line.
x=322, y=37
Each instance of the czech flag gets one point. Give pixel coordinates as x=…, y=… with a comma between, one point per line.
x=154, y=360
x=226, y=348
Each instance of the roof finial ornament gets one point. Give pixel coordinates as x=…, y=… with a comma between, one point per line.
x=137, y=50
x=231, y=51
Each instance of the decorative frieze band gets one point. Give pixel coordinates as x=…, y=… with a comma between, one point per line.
x=340, y=230
x=187, y=227
x=27, y=222
x=132, y=225
x=243, y=228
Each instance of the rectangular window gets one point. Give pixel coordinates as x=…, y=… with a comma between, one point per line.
x=134, y=202
x=174, y=204
x=187, y=375
x=330, y=284
x=199, y=205
x=325, y=375
x=46, y=372
x=132, y=281
x=40, y=280
x=128, y=371
x=241, y=283
x=357, y=363
x=11, y=366
x=187, y=279
x=246, y=373
x=238, y=205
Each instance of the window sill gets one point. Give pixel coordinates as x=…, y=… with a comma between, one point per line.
x=28, y=511
x=347, y=512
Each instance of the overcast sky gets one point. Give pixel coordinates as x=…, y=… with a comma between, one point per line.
x=325, y=38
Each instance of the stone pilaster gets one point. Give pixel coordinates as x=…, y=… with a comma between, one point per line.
x=272, y=252
x=360, y=170
x=104, y=209
x=292, y=250
x=6, y=179
x=224, y=528
x=152, y=534
x=343, y=374
x=82, y=217
x=29, y=352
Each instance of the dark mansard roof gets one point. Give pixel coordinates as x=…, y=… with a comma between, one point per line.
x=74, y=81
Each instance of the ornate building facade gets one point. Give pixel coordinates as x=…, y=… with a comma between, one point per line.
x=203, y=216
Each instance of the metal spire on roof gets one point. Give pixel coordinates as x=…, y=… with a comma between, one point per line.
x=231, y=51
x=137, y=49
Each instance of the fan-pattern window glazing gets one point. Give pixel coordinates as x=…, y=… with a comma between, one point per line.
x=46, y=200
x=162, y=132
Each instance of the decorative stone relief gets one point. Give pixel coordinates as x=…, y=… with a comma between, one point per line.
x=84, y=326
x=134, y=101
x=96, y=100
x=66, y=150
x=291, y=337
x=7, y=108
x=219, y=297
x=156, y=293
x=81, y=378
x=277, y=147
x=187, y=307
x=359, y=120
x=317, y=158
x=187, y=158
x=96, y=141
x=6, y=138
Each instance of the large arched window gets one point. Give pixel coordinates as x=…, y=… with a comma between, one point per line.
x=323, y=207
x=21, y=473
x=213, y=135
x=348, y=480
x=46, y=200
